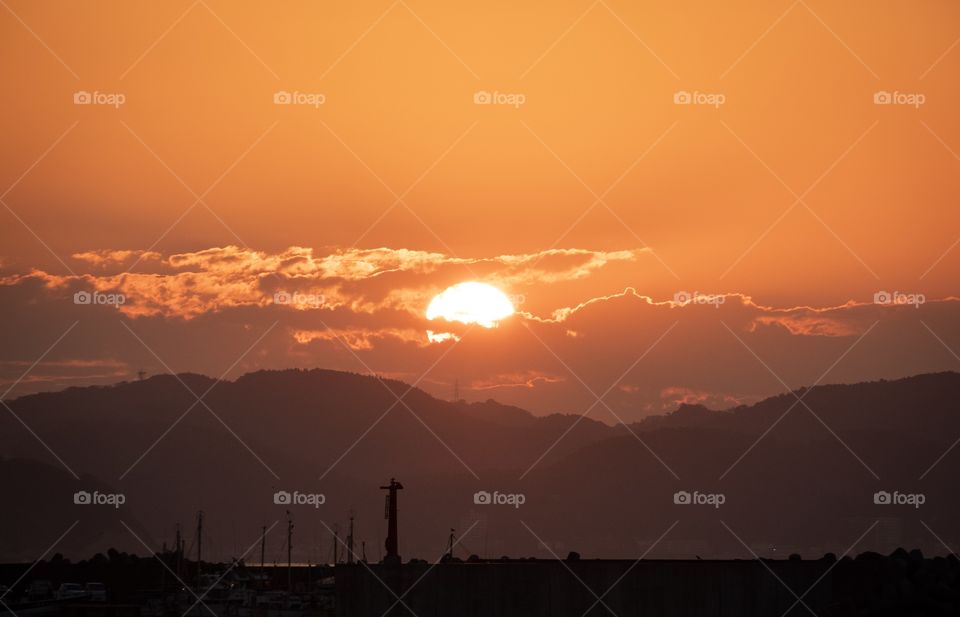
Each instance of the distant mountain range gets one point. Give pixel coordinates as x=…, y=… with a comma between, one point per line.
x=792, y=478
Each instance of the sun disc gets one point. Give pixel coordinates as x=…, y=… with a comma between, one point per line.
x=471, y=303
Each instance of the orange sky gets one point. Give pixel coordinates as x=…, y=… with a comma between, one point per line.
x=798, y=190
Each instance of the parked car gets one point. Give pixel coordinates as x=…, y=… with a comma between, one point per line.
x=70, y=590
x=97, y=591
x=39, y=590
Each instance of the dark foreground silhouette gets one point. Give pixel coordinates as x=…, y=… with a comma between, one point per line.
x=870, y=585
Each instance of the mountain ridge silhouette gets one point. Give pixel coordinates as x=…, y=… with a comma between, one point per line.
x=273, y=430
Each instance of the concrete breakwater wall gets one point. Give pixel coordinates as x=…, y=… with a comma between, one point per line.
x=535, y=588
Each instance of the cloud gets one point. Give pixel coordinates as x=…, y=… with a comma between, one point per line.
x=186, y=285
x=108, y=257
x=576, y=338
x=359, y=338
x=517, y=379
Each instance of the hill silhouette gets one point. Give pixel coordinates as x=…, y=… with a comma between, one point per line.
x=794, y=479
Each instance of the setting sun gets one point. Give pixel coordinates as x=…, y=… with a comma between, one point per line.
x=471, y=303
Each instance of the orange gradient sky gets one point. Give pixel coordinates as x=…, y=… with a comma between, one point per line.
x=797, y=191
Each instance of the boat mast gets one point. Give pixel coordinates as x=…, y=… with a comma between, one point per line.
x=350, y=541
x=289, y=552
x=199, y=544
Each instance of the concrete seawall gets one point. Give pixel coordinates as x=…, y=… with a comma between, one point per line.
x=535, y=588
